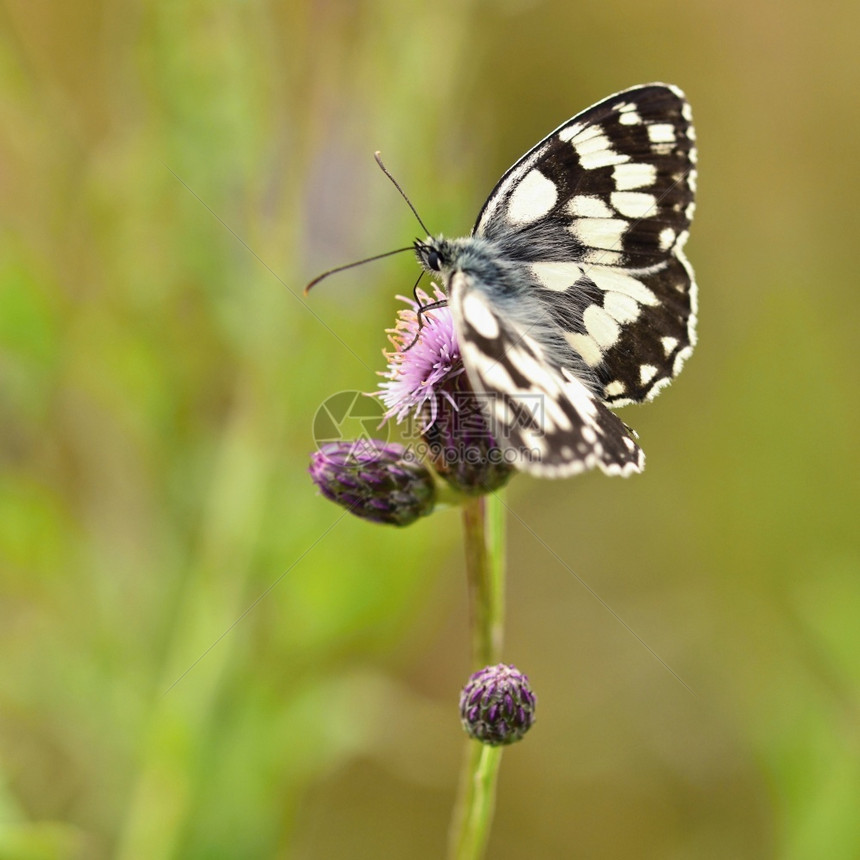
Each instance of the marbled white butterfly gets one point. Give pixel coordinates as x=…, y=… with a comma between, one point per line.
x=572, y=293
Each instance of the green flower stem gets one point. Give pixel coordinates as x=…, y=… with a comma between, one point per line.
x=484, y=531
x=481, y=770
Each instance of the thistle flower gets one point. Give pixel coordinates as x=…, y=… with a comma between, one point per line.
x=426, y=382
x=497, y=705
x=425, y=357
x=375, y=481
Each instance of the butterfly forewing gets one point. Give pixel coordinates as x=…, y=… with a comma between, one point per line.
x=597, y=214
x=536, y=408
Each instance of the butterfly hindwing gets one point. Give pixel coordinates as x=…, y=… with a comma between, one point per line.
x=633, y=328
x=599, y=212
x=605, y=184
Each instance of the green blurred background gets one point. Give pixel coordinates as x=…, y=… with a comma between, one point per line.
x=200, y=657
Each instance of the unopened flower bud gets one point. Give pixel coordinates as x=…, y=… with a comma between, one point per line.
x=375, y=481
x=497, y=705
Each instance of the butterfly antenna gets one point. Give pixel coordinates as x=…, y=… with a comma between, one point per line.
x=324, y=275
x=396, y=184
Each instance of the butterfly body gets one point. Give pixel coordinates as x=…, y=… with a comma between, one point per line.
x=573, y=293
x=485, y=287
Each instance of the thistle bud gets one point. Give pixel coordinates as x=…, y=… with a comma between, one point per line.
x=497, y=705
x=375, y=481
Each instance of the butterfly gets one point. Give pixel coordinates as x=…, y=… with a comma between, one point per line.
x=572, y=294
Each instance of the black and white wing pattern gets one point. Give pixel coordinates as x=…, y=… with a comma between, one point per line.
x=599, y=212
x=544, y=409
x=573, y=289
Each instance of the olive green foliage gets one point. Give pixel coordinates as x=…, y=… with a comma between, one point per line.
x=201, y=658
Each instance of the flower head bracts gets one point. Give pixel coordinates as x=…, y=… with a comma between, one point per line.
x=497, y=705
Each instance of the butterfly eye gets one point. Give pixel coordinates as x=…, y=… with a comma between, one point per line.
x=433, y=261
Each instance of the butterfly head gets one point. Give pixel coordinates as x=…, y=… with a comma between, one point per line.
x=434, y=254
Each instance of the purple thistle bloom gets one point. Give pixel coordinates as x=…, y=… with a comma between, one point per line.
x=497, y=705
x=377, y=482
x=425, y=380
x=415, y=376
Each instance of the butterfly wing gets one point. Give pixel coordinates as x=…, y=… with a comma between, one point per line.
x=598, y=212
x=540, y=410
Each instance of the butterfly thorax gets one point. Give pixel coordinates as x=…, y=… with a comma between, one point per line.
x=478, y=266
x=478, y=259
